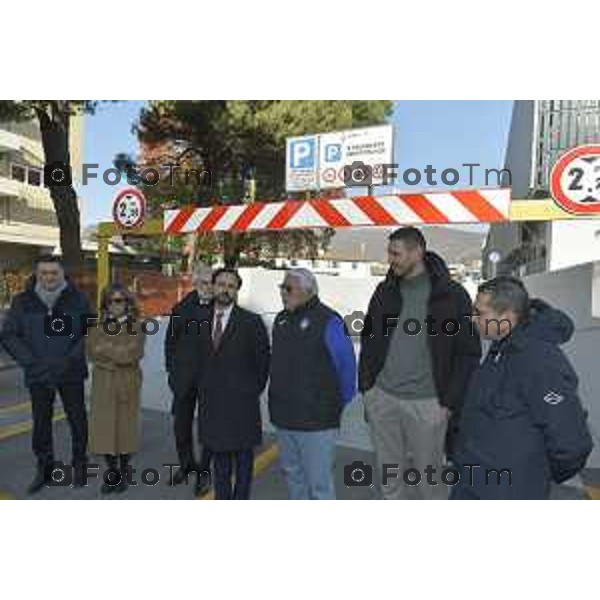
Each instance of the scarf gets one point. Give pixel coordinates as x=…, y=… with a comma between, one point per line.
x=49, y=297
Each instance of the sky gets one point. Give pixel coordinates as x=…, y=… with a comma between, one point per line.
x=444, y=134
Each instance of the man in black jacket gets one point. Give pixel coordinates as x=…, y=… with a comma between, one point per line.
x=523, y=425
x=44, y=332
x=185, y=341
x=418, y=350
x=237, y=368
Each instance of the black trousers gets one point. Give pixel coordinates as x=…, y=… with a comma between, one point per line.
x=42, y=405
x=184, y=407
x=223, y=467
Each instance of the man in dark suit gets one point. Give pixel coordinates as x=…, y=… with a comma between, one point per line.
x=188, y=334
x=237, y=367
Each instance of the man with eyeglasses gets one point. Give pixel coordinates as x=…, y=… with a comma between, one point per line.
x=184, y=342
x=313, y=377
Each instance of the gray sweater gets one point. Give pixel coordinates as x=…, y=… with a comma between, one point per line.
x=406, y=372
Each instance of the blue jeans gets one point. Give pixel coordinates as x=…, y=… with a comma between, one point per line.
x=307, y=459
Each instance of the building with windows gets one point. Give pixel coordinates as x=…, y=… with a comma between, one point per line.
x=28, y=223
x=540, y=131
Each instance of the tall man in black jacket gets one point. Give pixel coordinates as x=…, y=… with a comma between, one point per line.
x=418, y=350
x=44, y=332
x=237, y=368
x=186, y=338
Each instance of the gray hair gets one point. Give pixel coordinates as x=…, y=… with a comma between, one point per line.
x=198, y=269
x=307, y=280
x=507, y=293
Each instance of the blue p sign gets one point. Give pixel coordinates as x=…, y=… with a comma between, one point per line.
x=333, y=153
x=302, y=153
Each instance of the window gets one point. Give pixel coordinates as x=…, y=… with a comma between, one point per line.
x=354, y=266
x=18, y=172
x=29, y=175
x=294, y=262
x=34, y=177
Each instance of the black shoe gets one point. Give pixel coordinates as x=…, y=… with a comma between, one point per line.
x=111, y=474
x=203, y=484
x=182, y=474
x=79, y=478
x=42, y=476
x=106, y=488
x=122, y=486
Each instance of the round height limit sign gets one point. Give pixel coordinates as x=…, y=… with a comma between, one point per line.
x=575, y=180
x=129, y=208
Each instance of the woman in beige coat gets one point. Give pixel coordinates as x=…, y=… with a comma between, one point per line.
x=115, y=347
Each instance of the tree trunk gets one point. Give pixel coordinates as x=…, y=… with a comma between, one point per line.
x=232, y=249
x=54, y=128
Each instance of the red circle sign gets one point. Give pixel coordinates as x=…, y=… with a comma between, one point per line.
x=575, y=180
x=129, y=208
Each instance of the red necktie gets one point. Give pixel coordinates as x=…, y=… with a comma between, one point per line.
x=218, y=330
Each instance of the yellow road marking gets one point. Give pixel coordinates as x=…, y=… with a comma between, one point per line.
x=15, y=408
x=5, y=496
x=18, y=428
x=261, y=463
x=593, y=492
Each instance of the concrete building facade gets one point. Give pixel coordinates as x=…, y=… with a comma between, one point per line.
x=540, y=131
x=28, y=223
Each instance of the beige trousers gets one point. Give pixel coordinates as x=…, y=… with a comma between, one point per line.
x=409, y=433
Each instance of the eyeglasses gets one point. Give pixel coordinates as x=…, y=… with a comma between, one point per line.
x=286, y=288
x=117, y=300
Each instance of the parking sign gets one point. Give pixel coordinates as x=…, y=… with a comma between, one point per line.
x=318, y=161
x=301, y=163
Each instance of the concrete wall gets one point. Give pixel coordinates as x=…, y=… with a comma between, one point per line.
x=575, y=290
x=260, y=291
x=574, y=243
x=343, y=268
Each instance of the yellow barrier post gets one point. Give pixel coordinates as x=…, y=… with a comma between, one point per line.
x=103, y=272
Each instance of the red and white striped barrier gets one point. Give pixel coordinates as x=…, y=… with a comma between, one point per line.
x=467, y=206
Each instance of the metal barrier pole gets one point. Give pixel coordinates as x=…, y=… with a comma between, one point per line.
x=103, y=266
